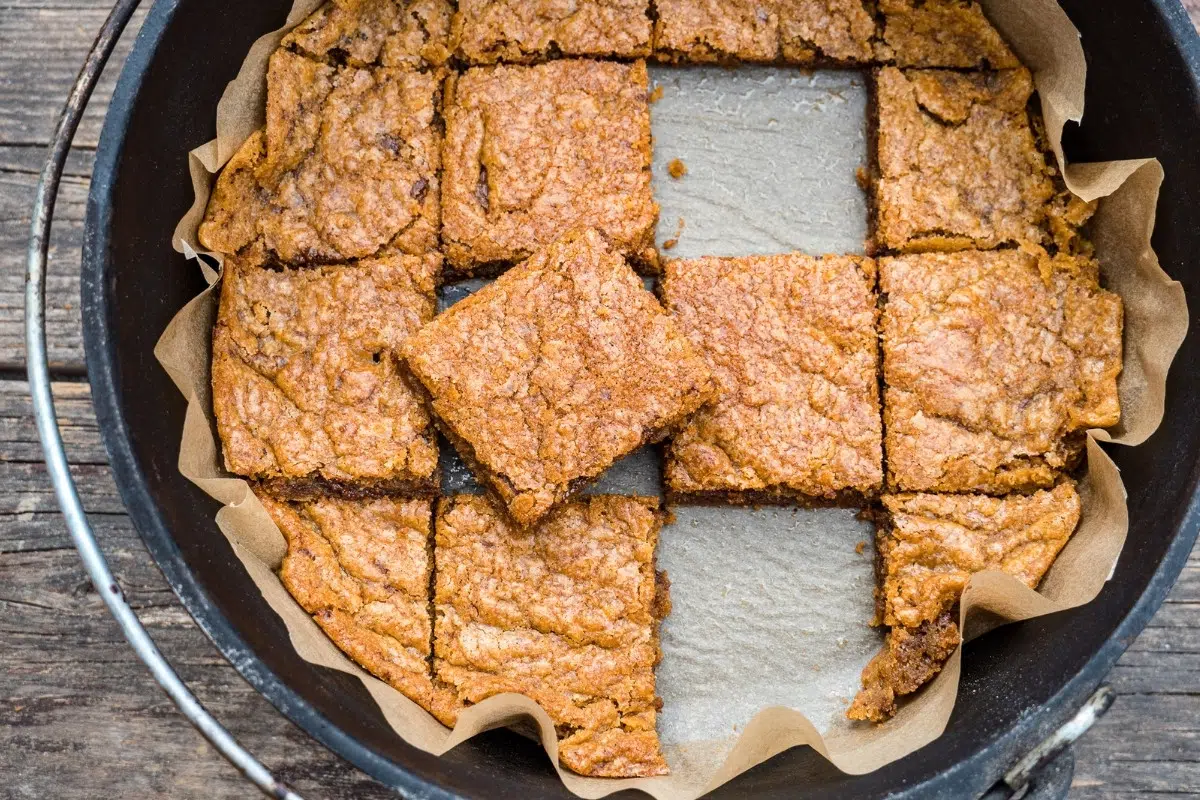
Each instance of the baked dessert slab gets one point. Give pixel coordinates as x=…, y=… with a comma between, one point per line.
x=307, y=388
x=792, y=345
x=348, y=166
x=716, y=30
x=941, y=33
x=362, y=569
x=811, y=32
x=519, y=31
x=560, y=367
x=565, y=612
x=534, y=151
x=910, y=658
x=388, y=33
x=958, y=165
x=238, y=201
x=928, y=546
x=994, y=365
x=825, y=32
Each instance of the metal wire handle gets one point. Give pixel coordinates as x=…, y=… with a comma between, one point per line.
x=51, y=438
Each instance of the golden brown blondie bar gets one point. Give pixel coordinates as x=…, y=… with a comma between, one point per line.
x=238, y=201
x=521, y=31
x=928, y=546
x=534, y=151
x=941, y=33
x=958, y=165
x=388, y=33
x=791, y=342
x=306, y=382
x=347, y=166
x=566, y=612
x=362, y=568
x=546, y=377
x=994, y=365
x=795, y=31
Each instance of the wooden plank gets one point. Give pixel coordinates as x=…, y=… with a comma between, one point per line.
x=19, y=168
x=72, y=402
x=42, y=49
x=42, y=46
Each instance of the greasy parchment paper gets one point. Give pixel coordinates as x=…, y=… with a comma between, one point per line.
x=768, y=633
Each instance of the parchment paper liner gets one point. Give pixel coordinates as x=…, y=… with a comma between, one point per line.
x=1156, y=321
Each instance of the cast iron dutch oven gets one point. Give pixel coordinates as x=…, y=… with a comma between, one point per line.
x=1018, y=684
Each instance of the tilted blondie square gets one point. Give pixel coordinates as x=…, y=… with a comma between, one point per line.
x=928, y=546
x=791, y=342
x=566, y=612
x=532, y=152
x=994, y=365
x=810, y=32
x=346, y=167
x=388, y=33
x=307, y=387
x=362, y=569
x=941, y=33
x=520, y=31
x=958, y=165
x=546, y=377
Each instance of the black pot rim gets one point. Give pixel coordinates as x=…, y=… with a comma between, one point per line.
x=966, y=778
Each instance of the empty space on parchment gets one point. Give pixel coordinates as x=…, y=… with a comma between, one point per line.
x=771, y=155
x=770, y=606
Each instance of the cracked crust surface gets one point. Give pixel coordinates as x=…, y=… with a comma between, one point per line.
x=994, y=364
x=488, y=31
x=941, y=33
x=388, y=33
x=791, y=343
x=238, y=201
x=534, y=151
x=362, y=569
x=910, y=658
x=566, y=613
x=932, y=544
x=928, y=548
x=958, y=164
x=794, y=31
x=347, y=166
x=557, y=369
x=305, y=373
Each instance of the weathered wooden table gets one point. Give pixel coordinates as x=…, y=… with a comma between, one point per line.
x=80, y=715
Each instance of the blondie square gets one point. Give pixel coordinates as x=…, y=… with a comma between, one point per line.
x=994, y=365
x=941, y=33
x=562, y=366
x=534, y=151
x=791, y=343
x=238, y=202
x=795, y=31
x=306, y=380
x=566, y=612
x=958, y=165
x=347, y=165
x=928, y=546
x=388, y=33
x=362, y=569
x=487, y=31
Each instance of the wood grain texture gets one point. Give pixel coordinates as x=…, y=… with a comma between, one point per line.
x=81, y=718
